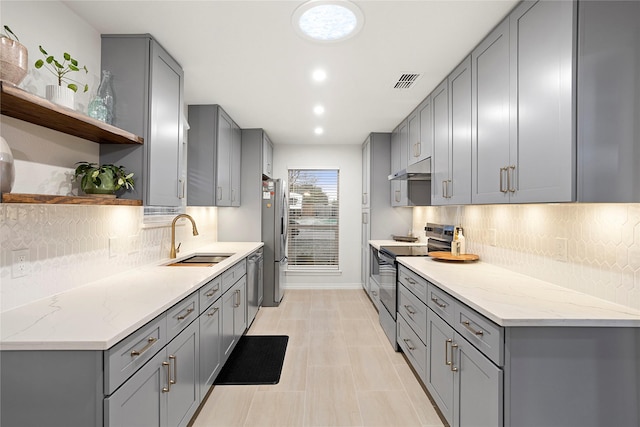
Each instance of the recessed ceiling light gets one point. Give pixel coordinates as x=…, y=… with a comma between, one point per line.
x=318, y=131
x=327, y=20
x=319, y=75
x=318, y=110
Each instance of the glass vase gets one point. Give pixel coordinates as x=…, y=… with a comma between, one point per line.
x=101, y=106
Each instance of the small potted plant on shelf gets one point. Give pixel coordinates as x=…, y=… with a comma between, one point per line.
x=59, y=94
x=14, y=58
x=102, y=180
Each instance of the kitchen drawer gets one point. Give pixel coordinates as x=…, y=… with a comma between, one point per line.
x=442, y=303
x=485, y=335
x=125, y=358
x=231, y=276
x=181, y=314
x=413, y=282
x=209, y=293
x=413, y=311
x=412, y=347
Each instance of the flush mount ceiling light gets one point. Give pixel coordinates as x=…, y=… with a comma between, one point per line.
x=318, y=110
x=318, y=131
x=319, y=75
x=327, y=21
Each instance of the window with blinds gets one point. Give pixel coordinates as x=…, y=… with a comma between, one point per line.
x=313, y=219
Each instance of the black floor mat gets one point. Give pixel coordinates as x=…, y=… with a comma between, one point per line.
x=257, y=359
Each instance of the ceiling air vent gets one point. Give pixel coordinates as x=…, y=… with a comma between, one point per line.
x=406, y=80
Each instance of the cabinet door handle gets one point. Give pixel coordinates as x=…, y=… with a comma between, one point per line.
x=237, y=303
x=181, y=190
x=398, y=197
x=212, y=292
x=511, y=171
x=364, y=198
x=168, y=387
x=409, y=344
x=418, y=149
x=444, y=189
x=502, y=172
x=219, y=193
x=212, y=312
x=184, y=316
x=365, y=218
x=175, y=369
x=438, y=303
x=408, y=308
x=473, y=331
x=150, y=342
x=233, y=195
x=446, y=352
x=453, y=366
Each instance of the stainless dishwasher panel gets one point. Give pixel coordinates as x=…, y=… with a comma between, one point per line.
x=254, y=284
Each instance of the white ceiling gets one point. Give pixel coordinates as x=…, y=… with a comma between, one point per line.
x=246, y=56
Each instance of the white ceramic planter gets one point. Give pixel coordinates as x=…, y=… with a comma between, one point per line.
x=61, y=95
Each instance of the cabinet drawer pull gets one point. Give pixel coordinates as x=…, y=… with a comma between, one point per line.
x=189, y=311
x=212, y=312
x=168, y=387
x=407, y=341
x=438, y=303
x=408, y=308
x=175, y=369
x=150, y=342
x=212, y=292
x=410, y=280
x=374, y=293
x=468, y=326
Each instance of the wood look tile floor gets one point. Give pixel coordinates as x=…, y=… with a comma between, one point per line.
x=339, y=370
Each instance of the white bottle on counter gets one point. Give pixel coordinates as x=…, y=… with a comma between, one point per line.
x=461, y=243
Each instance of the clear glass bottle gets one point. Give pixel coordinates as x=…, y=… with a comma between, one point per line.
x=101, y=107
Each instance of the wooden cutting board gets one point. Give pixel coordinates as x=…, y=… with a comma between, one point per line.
x=446, y=256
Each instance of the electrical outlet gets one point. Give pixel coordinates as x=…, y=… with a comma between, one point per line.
x=20, y=263
x=561, y=249
x=493, y=240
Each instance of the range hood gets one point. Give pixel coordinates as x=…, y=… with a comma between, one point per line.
x=420, y=171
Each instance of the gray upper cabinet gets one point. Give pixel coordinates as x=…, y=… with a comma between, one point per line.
x=267, y=157
x=148, y=91
x=490, y=116
x=542, y=158
x=399, y=144
x=452, y=138
x=523, y=93
x=420, y=132
x=608, y=101
x=214, y=156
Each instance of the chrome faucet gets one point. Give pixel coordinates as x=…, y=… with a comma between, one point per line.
x=175, y=250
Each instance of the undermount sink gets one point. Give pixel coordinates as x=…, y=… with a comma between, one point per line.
x=201, y=260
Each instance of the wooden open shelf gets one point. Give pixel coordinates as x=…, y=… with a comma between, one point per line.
x=66, y=200
x=26, y=106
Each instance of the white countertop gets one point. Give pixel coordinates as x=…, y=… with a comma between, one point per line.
x=98, y=315
x=377, y=243
x=513, y=299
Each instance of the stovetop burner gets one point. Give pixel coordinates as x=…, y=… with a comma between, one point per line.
x=396, y=251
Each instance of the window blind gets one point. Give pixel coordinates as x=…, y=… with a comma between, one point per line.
x=313, y=238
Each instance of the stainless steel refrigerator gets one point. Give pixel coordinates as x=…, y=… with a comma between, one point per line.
x=275, y=217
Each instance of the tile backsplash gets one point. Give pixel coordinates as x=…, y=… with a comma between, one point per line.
x=602, y=243
x=69, y=246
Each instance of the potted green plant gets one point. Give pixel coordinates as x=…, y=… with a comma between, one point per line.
x=102, y=179
x=14, y=57
x=62, y=95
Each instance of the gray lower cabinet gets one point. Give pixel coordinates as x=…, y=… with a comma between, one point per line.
x=148, y=92
x=466, y=386
x=234, y=321
x=481, y=374
x=164, y=392
x=210, y=345
x=214, y=156
x=156, y=376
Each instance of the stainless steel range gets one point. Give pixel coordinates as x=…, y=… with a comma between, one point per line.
x=439, y=239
